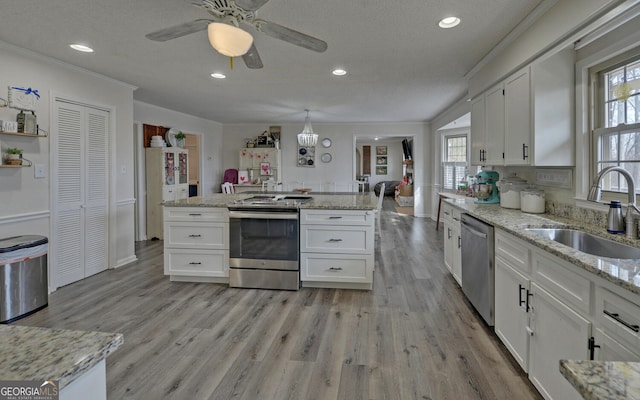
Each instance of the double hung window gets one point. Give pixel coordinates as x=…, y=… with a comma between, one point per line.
x=455, y=163
x=617, y=134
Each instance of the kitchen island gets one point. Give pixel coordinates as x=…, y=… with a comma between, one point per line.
x=336, y=243
x=74, y=358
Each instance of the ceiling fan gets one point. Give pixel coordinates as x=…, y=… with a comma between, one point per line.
x=235, y=12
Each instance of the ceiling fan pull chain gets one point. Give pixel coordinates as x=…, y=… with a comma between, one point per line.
x=231, y=62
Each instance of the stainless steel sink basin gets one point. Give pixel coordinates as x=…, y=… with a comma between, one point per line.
x=588, y=243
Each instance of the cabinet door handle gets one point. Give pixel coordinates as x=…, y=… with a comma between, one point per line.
x=529, y=294
x=335, y=268
x=591, y=345
x=524, y=151
x=459, y=242
x=520, y=289
x=335, y=240
x=195, y=263
x=195, y=236
x=334, y=217
x=195, y=215
x=616, y=316
x=448, y=233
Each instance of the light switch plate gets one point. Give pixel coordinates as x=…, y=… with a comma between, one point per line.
x=40, y=171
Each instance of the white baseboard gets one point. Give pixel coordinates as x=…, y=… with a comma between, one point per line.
x=125, y=261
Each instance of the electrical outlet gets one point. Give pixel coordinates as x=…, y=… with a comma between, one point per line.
x=123, y=169
x=39, y=171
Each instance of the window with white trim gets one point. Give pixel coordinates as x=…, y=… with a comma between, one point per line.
x=455, y=162
x=616, y=139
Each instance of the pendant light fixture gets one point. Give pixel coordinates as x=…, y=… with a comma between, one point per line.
x=307, y=138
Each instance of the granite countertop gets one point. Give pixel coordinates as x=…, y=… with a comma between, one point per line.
x=30, y=353
x=624, y=273
x=603, y=380
x=333, y=201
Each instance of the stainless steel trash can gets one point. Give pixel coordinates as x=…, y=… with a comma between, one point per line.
x=23, y=276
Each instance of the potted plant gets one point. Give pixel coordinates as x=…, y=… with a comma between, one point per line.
x=180, y=139
x=14, y=156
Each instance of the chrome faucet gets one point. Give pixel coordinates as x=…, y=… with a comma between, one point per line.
x=595, y=194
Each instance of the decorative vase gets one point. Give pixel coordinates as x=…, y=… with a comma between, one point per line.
x=180, y=143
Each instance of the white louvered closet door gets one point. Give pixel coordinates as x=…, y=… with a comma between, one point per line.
x=80, y=193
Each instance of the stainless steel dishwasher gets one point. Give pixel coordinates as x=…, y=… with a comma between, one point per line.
x=478, y=273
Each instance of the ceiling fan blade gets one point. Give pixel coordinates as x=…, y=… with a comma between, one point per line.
x=250, y=5
x=252, y=58
x=289, y=35
x=177, y=31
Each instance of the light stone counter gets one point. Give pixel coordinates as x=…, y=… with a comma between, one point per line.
x=30, y=353
x=330, y=201
x=624, y=273
x=603, y=380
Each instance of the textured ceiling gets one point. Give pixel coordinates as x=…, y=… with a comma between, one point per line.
x=402, y=66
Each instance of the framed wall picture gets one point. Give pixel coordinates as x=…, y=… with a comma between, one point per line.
x=381, y=160
x=381, y=170
x=265, y=168
x=381, y=150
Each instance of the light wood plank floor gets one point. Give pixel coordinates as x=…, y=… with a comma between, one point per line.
x=413, y=337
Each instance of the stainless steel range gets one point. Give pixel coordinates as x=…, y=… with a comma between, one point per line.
x=264, y=242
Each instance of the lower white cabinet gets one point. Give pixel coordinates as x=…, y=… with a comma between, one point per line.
x=512, y=293
x=196, y=245
x=544, y=312
x=557, y=332
x=452, y=241
x=337, y=248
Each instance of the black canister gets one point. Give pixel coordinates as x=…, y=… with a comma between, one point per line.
x=615, y=222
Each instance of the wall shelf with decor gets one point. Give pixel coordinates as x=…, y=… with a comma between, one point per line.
x=14, y=166
x=22, y=134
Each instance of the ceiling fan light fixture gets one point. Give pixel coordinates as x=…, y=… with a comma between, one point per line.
x=449, y=22
x=229, y=40
x=307, y=138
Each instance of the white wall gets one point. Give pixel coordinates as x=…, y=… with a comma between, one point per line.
x=211, y=160
x=26, y=200
x=565, y=17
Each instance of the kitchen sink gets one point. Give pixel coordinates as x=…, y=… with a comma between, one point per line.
x=588, y=243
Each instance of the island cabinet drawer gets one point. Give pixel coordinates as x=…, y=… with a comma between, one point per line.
x=450, y=213
x=336, y=268
x=560, y=278
x=193, y=236
x=345, y=239
x=513, y=251
x=196, y=214
x=337, y=217
x=619, y=316
x=210, y=263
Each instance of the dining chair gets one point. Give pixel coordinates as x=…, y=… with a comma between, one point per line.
x=227, y=187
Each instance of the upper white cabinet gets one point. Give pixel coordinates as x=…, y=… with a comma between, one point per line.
x=527, y=119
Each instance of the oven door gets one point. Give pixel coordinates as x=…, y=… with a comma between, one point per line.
x=264, y=240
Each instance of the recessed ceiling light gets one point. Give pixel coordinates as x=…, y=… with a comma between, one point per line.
x=81, y=47
x=449, y=22
x=339, y=72
x=218, y=75
x=375, y=138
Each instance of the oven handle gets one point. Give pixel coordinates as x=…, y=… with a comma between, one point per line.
x=262, y=215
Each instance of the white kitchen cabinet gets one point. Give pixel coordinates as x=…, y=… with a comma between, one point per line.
x=494, y=120
x=452, y=241
x=557, y=332
x=478, y=136
x=528, y=117
x=618, y=314
x=196, y=245
x=512, y=295
x=167, y=176
x=512, y=312
x=609, y=349
x=337, y=248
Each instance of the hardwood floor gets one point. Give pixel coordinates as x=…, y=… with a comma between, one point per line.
x=413, y=337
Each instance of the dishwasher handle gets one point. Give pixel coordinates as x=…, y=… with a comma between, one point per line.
x=474, y=231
